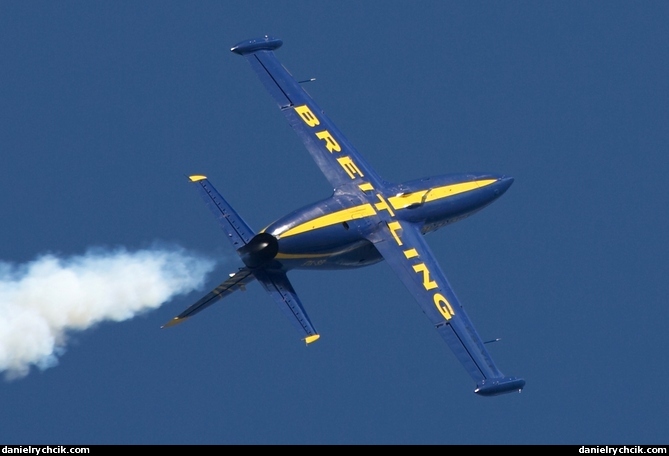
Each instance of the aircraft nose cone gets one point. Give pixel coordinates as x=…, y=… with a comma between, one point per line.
x=503, y=184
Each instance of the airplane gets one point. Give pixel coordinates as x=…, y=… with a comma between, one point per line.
x=365, y=221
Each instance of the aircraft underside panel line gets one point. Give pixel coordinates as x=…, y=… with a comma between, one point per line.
x=460, y=351
x=271, y=84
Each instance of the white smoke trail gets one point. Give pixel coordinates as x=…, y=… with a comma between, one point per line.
x=41, y=301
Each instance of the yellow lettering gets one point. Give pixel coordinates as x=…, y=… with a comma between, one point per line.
x=307, y=116
x=443, y=306
x=395, y=226
x=350, y=167
x=331, y=144
x=383, y=205
x=427, y=283
x=366, y=187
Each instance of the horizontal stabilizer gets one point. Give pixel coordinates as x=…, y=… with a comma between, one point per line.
x=234, y=226
x=237, y=281
x=277, y=284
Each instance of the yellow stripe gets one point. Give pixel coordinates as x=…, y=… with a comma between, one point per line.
x=352, y=213
x=311, y=339
x=424, y=196
x=196, y=178
x=450, y=190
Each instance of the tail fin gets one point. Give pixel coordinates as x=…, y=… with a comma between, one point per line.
x=257, y=251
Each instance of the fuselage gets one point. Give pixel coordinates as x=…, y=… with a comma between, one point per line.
x=332, y=233
x=364, y=221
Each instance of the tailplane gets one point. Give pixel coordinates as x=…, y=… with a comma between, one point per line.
x=236, y=281
x=257, y=252
x=234, y=226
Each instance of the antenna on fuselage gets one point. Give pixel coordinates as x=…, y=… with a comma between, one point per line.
x=306, y=80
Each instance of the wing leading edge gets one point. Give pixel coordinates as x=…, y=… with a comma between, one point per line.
x=403, y=247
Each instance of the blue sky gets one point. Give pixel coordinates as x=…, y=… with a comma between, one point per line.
x=106, y=106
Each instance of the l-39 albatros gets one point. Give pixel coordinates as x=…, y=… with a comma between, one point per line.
x=366, y=220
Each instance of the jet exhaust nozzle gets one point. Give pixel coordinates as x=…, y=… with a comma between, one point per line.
x=259, y=251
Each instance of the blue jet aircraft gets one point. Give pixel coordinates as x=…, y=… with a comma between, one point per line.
x=366, y=220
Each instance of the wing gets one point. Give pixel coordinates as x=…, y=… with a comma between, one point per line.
x=237, y=281
x=403, y=247
x=339, y=161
